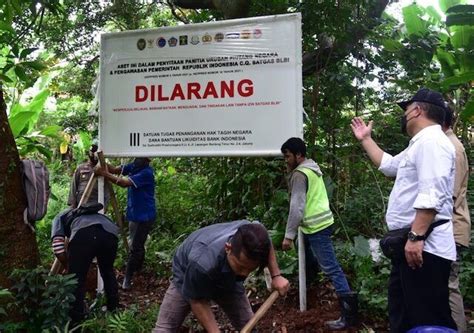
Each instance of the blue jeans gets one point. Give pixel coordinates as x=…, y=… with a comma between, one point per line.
x=319, y=249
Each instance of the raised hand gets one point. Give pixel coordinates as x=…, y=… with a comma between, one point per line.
x=360, y=129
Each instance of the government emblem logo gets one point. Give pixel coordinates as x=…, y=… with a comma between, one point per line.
x=245, y=34
x=195, y=40
x=141, y=44
x=219, y=37
x=161, y=42
x=206, y=38
x=150, y=43
x=172, y=42
x=183, y=40
x=257, y=33
x=232, y=35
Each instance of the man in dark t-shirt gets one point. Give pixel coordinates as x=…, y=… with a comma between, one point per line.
x=211, y=265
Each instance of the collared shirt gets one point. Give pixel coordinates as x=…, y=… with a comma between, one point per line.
x=81, y=177
x=141, y=195
x=200, y=266
x=424, y=174
x=461, y=216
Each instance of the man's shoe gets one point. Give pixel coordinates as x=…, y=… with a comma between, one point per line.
x=127, y=283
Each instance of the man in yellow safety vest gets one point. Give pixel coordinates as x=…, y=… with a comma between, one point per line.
x=309, y=210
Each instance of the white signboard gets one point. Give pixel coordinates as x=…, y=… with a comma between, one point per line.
x=227, y=88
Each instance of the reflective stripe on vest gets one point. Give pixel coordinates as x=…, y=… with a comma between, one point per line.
x=317, y=214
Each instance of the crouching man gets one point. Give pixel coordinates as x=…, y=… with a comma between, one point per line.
x=90, y=234
x=212, y=264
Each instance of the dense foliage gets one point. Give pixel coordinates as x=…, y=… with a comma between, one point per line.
x=361, y=63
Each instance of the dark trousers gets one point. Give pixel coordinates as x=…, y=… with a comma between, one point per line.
x=419, y=296
x=88, y=243
x=138, y=233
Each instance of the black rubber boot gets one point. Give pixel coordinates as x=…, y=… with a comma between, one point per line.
x=349, y=312
x=127, y=280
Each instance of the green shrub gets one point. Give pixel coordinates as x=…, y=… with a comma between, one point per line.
x=131, y=321
x=366, y=276
x=466, y=276
x=42, y=299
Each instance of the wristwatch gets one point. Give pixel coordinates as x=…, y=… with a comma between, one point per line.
x=413, y=236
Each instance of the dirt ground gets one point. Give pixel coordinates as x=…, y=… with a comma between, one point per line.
x=284, y=316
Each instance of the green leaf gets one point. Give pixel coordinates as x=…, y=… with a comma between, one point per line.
x=8, y=13
x=462, y=37
x=460, y=19
x=460, y=9
x=36, y=65
x=447, y=61
x=361, y=246
x=51, y=131
x=457, y=80
x=433, y=13
x=84, y=141
x=23, y=117
x=466, y=62
x=392, y=45
x=467, y=114
x=5, y=78
x=45, y=151
x=4, y=26
x=171, y=170
x=20, y=122
x=16, y=6
x=25, y=52
x=414, y=24
x=20, y=72
x=446, y=4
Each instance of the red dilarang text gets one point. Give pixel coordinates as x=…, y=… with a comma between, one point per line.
x=194, y=90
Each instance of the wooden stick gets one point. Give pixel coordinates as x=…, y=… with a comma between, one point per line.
x=114, y=202
x=268, y=278
x=260, y=312
x=56, y=267
x=87, y=192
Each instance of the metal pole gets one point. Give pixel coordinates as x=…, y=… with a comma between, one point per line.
x=302, y=270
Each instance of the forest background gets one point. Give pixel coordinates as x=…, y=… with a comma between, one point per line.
x=358, y=60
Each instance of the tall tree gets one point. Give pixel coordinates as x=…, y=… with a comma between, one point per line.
x=18, y=18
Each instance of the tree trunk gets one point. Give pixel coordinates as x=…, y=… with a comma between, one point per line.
x=18, y=247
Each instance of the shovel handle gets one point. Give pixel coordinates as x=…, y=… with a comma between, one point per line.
x=260, y=312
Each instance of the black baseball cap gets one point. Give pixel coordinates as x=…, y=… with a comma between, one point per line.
x=426, y=95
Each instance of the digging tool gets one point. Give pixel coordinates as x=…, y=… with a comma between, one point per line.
x=260, y=312
x=56, y=267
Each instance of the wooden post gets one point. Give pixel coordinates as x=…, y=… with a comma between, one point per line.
x=56, y=267
x=268, y=278
x=302, y=271
x=114, y=203
x=260, y=312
